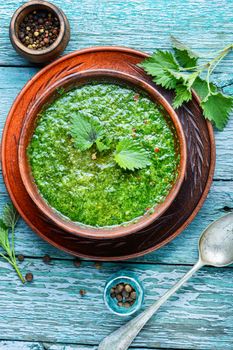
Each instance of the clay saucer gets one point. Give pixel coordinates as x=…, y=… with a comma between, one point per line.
x=199, y=172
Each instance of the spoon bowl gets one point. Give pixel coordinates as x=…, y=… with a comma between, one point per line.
x=216, y=242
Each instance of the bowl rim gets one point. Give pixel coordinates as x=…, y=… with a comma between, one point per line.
x=49, y=212
x=33, y=4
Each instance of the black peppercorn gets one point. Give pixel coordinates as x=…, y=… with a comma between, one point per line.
x=46, y=259
x=124, y=294
x=20, y=257
x=39, y=25
x=82, y=292
x=77, y=262
x=29, y=277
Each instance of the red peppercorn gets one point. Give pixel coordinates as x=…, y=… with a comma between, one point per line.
x=156, y=149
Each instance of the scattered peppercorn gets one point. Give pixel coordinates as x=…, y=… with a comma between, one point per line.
x=46, y=259
x=29, y=277
x=20, y=257
x=77, y=262
x=156, y=149
x=82, y=292
x=136, y=97
x=124, y=294
x=98, y=265
x=39, y=29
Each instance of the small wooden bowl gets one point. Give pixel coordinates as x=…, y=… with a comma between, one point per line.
x=51, y=93
x=49, y=53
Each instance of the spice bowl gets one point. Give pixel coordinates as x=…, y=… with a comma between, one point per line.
x=123, y=285
x=53, y=48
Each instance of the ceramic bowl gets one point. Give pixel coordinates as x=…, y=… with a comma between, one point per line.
x=126, y=277
x=50, y=94
x=49, y=53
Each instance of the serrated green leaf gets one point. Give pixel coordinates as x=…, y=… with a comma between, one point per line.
x=217, y=108
x=186, y=78
x=10, y=215
x=102, y=145
x=129, y=155
x=160, y=65
x=201, y=88
x=85, y=131
x=183, y=54
x=182, y=95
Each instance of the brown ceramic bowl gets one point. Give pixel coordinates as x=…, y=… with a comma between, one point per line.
x=49, y=53
x=79, y=79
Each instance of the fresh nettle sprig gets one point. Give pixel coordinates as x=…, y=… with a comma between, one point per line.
x=88, y=132
x=180, y=70
x=8, y=223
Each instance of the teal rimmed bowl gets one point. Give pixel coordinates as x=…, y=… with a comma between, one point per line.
x=111, y=303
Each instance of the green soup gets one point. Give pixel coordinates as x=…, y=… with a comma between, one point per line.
x=89, y=187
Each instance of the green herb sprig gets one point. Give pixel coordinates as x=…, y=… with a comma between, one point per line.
x=129, y=155
x=180, y=70
x=8, y=222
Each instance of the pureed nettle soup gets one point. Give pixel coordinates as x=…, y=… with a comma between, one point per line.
x=88, y=186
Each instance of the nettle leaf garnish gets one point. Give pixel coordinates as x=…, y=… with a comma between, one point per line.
x=130, y=155
x=85, y=131
x=180, y=70
x=103, y=144
x=88, y=132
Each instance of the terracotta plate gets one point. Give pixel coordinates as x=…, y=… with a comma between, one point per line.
x=200, y=168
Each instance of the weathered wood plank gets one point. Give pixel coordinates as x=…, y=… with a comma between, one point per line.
x=50, y=308
x=144, y=25
x=13, y=79
x=22, y=345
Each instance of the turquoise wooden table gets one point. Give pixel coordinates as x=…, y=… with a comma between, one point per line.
x=50, y=313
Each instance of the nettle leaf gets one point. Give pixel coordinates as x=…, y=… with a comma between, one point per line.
x=129, y=155
x=103, y=144
x=183, y=54
x=201, y=87
x=85, y=131
x=10, y=216
x=217, y=108
x=160, y=65
x=182, y=95
x=187, y=79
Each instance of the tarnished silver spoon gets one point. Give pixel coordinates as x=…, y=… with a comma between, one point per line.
x=215, y=249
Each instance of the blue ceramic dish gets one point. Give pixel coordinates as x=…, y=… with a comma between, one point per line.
x=111, y=303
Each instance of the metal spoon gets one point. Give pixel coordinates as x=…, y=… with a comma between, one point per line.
x=215, y=249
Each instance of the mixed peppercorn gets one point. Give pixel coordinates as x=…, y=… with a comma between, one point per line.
x=39, y=29
x=124, y=294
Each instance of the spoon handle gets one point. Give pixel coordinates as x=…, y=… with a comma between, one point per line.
x=123, y=336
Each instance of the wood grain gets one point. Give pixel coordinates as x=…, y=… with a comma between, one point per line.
x=24, y=345
x=51, y=308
